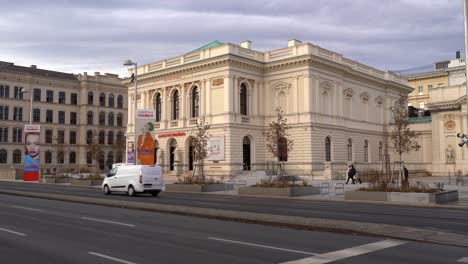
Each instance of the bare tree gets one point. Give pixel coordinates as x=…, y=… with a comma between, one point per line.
x=402, y=138
x=119, y=147
x=200, y=143
x=277, y=138
x=60, y=150
x=94, y=148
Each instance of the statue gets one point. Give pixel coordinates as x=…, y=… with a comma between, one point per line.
x=449, y=154
x=176, y=154
x=159, y=156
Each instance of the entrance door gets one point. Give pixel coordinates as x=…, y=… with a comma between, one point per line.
x=246, y=153
x=190, y=157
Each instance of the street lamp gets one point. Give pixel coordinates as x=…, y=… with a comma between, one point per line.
x=23, y=91
x=130, y=63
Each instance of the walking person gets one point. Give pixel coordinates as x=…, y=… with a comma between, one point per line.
x=405, y=174
x=350, y=173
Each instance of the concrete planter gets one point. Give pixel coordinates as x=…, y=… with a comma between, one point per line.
x=402, y=197
x=86, y=182
x=57, y=180
x=284, y=192
x=183, y=187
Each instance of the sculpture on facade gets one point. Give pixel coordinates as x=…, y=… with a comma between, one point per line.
x=159, y=157
x=176, y=154
x=449, y=154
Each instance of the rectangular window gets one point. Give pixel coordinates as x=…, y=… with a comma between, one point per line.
x=37, y=115
x=48, y=136
x=18, y=94
x=420, y=90
x=17, y=135
x=18, y=113
x=50, y=96
x=4, y=91
x=72, y=118
x=61, y=117
x=37, y=94
x=61, y=97
x=61, y=137
x=4, y=112
x=72, y=137
x=429, y=86
x=74, y=99
x=3, y=134
x=49, y=116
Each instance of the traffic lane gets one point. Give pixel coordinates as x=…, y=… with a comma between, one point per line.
x=197, y=238
x=430, y=218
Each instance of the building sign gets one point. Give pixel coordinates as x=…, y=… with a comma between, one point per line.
x=145, y=133
x=31, y=152
x=177, y=134
x=147, y=114
x=216, y=148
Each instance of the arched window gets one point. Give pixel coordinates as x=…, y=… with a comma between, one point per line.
x=102, y=99
x=282, y=149
x=61, y=157
x=16, y=156
x=3, y=156
x=110, y=138
x=119, y=119
x=366, y=151
x=157, y=107
x=101, y=160
x=110, y=159
x=120, y=101
x=90, y=97
x=48, y=157
x=90, y=118
x=89, y=137
x=101, y=137
x=110, y=119
x=195, y=102
x=119, y=139
x=243, y=99
x=102, y=119
x=327, y=149
x=380, y=151
x=350, y=150
x=118, y=157
x=89, y=158
x=175, y=105
x=72, y=157
x=111, y=100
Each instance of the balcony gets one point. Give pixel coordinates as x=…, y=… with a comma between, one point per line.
x=245, y=119
x=193, y=121
x=175, y=123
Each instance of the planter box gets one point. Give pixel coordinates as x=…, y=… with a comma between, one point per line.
x=404, y=197
x=57, y=180
x=86, y=182
x=284, y=192
x=183, y=187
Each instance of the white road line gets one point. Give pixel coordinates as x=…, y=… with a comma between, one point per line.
x=105, y=221
x=262, y=246
x=463, y=260
x=111, y=258
x=12, y=232
x=347, y=253
x=27, y=208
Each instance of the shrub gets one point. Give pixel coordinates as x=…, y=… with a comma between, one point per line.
x=389, y=187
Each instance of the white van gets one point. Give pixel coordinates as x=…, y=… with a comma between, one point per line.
x=134, y=179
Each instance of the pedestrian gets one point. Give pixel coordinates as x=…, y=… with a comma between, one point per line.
x=406, y=176
x=350, y=173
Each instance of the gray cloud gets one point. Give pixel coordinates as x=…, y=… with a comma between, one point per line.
x=87, y=35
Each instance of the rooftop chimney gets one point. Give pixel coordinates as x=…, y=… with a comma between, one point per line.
x=247, y=44
x=34, y=66
x=293, y=42
x=457, y=54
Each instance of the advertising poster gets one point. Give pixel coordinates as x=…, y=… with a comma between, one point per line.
x=31, y=152
x=216, y=149
x=145, y=135
x=130, y=153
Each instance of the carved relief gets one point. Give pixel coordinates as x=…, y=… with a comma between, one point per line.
x=326, y=88
x=364, y=97
x=281, y=87
x=348, y=93
x=379, y=101
x=217, y=82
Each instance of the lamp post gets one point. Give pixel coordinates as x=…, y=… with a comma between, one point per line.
x=130, y=63
x=23, y=91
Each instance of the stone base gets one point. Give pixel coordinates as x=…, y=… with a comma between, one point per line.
x=403, y=197
x=284, y=192
x=183, y=187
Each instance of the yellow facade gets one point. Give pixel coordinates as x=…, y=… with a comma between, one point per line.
x=422, y=83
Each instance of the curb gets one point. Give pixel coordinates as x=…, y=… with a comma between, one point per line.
x=341, y=226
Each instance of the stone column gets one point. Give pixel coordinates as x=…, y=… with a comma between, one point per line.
x=255, y=100
x=295, y=96
x=316, y=89
x=308, y=94
x=207, y=97
x=236, y=95
x=228, y=91
x=182, y=101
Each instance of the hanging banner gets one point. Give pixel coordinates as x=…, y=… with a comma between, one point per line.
x=215, y=148
x=145, y=135
x=31, y=152
x=130, y=153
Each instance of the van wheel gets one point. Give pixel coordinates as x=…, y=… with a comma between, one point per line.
x=106, y=190
x=131, y=191
x=155, y=193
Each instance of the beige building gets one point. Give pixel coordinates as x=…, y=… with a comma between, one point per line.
x=423, y=83
x=337, y=107
x=67, y=107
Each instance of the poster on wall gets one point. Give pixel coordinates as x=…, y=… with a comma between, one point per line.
x=130, y=153
x=216, y=148
x=145, y=136
x=31, y=152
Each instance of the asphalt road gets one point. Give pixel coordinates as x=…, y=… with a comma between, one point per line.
x=45, y=231
x=448, y=220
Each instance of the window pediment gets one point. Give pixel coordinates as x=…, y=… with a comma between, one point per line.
x=379, y=101
x=326, y=88
x=281, y=87
x=348, y=93
x=364, y=97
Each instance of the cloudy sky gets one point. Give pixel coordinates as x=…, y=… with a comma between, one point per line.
x=97, y=35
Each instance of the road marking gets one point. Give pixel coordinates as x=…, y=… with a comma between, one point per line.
x=347, y=253
x=262, y=246
x=13, y=232
x=463, y=260
x=111, y=258
x=27, y=208
x=105, y=221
